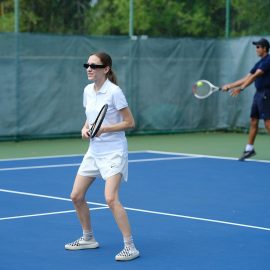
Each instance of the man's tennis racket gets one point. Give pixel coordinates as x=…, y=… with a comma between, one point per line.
x=203, y=89
x=98, y=122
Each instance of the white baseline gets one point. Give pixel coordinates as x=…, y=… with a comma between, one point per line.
x=104, y=206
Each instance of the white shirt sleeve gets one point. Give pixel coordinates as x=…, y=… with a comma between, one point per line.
x=119, y=99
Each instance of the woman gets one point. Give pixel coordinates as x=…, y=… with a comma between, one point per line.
x=107, y=155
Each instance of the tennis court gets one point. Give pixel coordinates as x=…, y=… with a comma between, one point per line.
x=187, y=211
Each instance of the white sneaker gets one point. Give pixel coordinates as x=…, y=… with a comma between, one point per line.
x=82, y=244
x=127, y=254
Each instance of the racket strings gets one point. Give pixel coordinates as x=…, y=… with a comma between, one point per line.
x=97, y=124
x=201, y=89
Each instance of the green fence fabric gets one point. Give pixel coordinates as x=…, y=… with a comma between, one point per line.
x=42, y=82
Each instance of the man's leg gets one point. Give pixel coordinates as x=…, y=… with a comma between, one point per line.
x=249, y=150
x=267, y=125
x=254, y=123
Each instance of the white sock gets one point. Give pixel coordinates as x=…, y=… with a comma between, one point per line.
x=249, y=147
x=128, y=242
x=88, y=235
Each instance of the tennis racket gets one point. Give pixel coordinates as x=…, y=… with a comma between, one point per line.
x=203, y=89
x=98, y=122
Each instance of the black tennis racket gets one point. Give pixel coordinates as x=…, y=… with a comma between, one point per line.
x=98, y=122
x=203, y=89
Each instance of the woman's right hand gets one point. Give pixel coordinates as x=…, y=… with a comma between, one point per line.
x=85, y=133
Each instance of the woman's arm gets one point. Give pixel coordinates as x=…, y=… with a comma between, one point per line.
x=84, y=131
x=127, y=123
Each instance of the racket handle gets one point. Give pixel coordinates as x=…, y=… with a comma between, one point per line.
x=89, y=133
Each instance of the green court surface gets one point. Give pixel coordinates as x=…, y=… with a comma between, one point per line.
x=213, y=143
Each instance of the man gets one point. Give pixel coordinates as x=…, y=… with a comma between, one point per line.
x=260, y=108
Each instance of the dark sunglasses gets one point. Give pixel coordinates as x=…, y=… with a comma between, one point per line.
x=93, y=66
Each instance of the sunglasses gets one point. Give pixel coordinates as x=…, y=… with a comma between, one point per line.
x=93, y=66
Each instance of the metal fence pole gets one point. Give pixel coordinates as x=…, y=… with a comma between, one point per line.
x=16, y=33
x=131, y=12
x=227, y=27
x=16, y=16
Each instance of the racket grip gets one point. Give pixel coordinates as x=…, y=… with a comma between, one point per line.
x=90, y=131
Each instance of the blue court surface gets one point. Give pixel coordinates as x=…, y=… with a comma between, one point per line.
x=186, y=211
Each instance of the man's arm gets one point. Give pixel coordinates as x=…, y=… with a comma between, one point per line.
x=238, y=83
x=243, y=83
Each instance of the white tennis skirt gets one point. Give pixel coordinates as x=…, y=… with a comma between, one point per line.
x=104, y=166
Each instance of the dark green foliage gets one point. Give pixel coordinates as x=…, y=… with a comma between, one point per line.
x=167, y=18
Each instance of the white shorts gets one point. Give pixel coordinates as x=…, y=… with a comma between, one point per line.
x=104, y=166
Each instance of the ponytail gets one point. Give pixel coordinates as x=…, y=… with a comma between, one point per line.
x=112, y=77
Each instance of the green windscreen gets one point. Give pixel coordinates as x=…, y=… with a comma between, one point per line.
x=42, y=80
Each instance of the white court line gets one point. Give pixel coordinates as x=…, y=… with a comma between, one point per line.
x=49, y=213
x=78, y=164
x=157, y=159
x=57, y=156
x=45, y=196
x=42, y=157
x=204, y=156
x=145, y=211
x=200, y=219
x=141, y=151
x=40, y=167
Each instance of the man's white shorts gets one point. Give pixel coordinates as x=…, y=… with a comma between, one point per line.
x=104, y=166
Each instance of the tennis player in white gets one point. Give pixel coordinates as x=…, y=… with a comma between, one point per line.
x=107, y=155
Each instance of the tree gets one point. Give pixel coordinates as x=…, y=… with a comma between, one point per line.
x=50, y=16
x=54, y=16
x=167, y=18
x=6, y=16
x=158, y=18
x=250, y=17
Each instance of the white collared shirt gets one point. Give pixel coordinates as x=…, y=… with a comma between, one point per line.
x=93, y=101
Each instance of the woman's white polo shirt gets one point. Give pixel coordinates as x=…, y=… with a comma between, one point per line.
x=111, y=144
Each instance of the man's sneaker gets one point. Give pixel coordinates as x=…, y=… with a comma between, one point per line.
x=82, y=244
x=247, y=154
x=127, y=254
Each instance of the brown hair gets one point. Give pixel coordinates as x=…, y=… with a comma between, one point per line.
x=107, y=61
